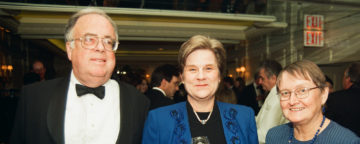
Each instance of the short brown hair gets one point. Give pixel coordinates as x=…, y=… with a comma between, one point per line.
x=306, y=69
x=202, y=42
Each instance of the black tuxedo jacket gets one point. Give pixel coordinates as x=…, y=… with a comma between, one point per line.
x=343, y=107
x=41, y=110
x=158, y=99
x=248, y=98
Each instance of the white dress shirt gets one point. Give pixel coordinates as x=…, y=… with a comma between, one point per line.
x=258, y=92
x=90, y=120
x=270, y=115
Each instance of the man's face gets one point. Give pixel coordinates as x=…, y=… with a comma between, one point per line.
x=38, y=68
x=265, y=82
x=92, y=67
x=346, y=81
x=171, y=87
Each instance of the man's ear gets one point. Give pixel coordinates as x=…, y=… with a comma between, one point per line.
x=69, y=48
x=163, y=83
x=181, y=76
x=273, y=78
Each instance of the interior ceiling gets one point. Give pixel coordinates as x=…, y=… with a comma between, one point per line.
x=145, y=35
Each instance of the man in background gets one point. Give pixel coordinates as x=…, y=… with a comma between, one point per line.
x=270, y=114
x=165, y=82
x=39, y=68
x=36, y=74
x=343, y=106
x=253, y=94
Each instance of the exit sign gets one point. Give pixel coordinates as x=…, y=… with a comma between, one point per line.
x=313, y=30
x=313, y=22
x=313, y=38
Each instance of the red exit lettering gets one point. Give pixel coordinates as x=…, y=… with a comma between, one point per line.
x=314, y=38
x=313, y=22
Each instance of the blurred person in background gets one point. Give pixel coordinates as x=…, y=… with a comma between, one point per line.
x=39, y=68
x=343, y=106
x=239, y=84
x=227, y=91
x=302, y=91
x=181, y=94
x=329, y=83
x=165, y=82
x=226, y=95
x=141, y=84
x=270, y=114
x=249, y=94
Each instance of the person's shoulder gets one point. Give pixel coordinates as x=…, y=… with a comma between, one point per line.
x=174, y=107
x=348, y=92
x=236, y=106
x=240, y=108
x=337, y=93
x=278, y=134
x=46, y=83
x=279, y=130
x=336, y=133
x=153, y=92
x=337, y=129
x=131, y=92
x=284, y=127
x=349, y=95
x=127, y=88
x=249, y=87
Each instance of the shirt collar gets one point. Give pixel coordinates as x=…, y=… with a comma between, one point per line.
x=159, y=89
x=74, y=80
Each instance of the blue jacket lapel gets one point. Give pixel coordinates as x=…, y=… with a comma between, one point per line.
x=231, y=126
x=179, y=117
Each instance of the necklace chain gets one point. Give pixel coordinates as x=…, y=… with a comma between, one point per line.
x=315, y=136
x=203, y=122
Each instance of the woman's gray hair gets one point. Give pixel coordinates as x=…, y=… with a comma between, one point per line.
x=69, y=28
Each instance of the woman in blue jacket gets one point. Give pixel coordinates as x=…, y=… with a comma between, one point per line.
x=201, y=119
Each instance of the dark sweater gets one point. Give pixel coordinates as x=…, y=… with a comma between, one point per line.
x=333, y=134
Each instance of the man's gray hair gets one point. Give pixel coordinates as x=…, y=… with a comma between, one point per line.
x=271, y=68
x=353, y=71
x=69, y=28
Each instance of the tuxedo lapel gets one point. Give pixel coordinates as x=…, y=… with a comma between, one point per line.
x=124, y=111
x=56, y=110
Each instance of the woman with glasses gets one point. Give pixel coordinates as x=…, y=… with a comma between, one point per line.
x=201, y=119
x=303, y=92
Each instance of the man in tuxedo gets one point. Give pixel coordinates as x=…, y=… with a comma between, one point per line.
x=87, y=106
x=164, y=82
x=250, y=94
x=343, y=106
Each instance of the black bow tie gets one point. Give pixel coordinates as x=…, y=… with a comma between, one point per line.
x=82, y=90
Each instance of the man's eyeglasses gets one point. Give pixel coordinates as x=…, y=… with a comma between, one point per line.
x=300, y=93
x=92, y=41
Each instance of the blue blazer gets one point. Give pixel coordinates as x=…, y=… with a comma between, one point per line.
x=170, y=125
